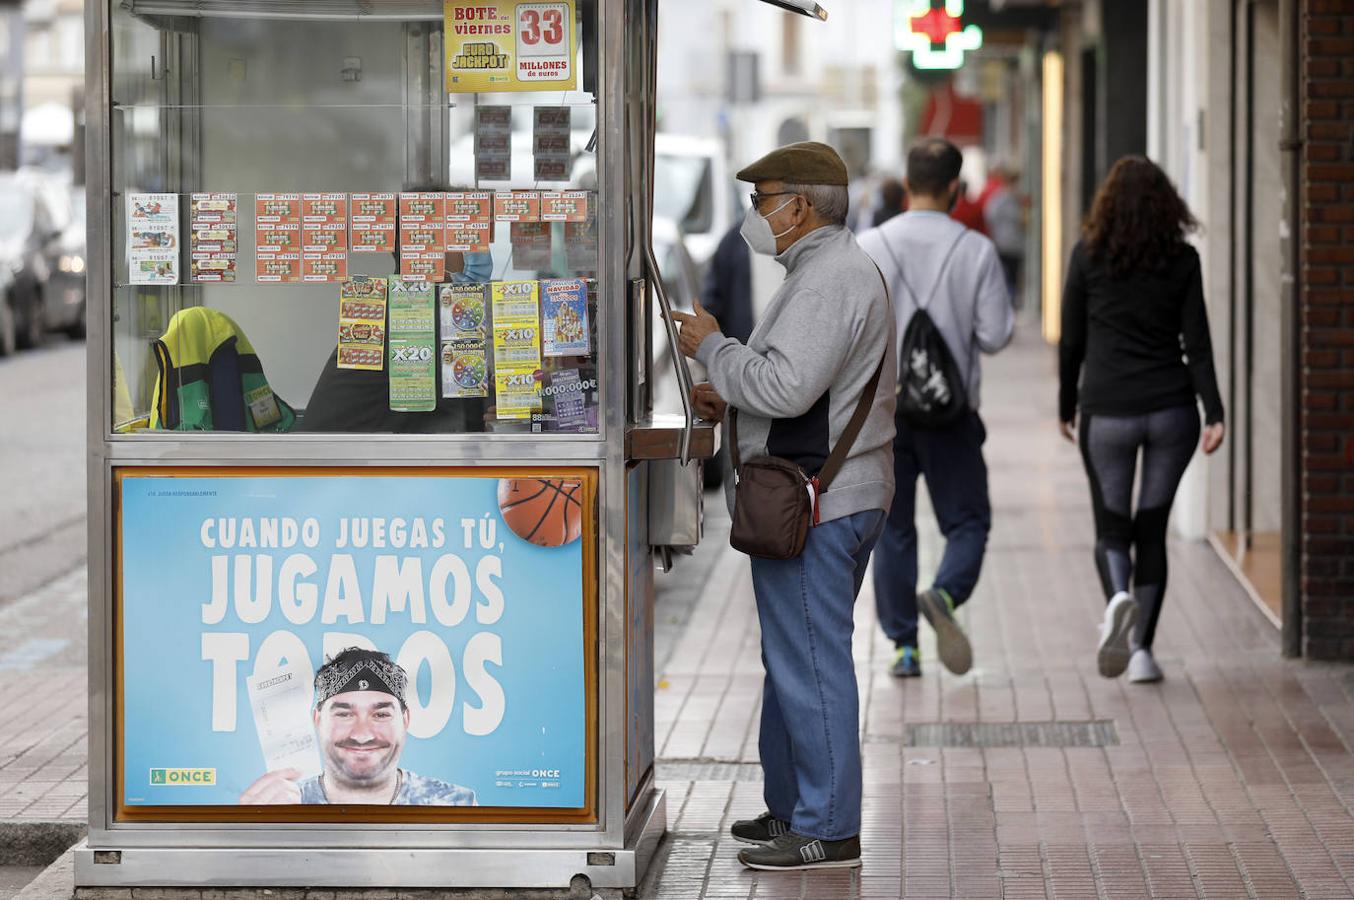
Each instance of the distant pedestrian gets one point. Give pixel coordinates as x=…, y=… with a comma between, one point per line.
x=727, y=291
x=964, y=210
x=1134, y=300
x=1000, y=207
x=796, y=387
x=892, y=201
x=936, y=264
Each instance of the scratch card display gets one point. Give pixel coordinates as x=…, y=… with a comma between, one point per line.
x=324, y=237
x=565, y=406
x=153, y=238
x=550, y=143
x=362, y=322
x=517, y=206
x=564, y=206
x=493, y=143
x=462, y=310
x=373, y=218
x=564, y=318
x=214, y=236
x=465, y=366
x=413, y=346
x=532, y=245
x=277, y=238
x=517, y=348
x=423, y=236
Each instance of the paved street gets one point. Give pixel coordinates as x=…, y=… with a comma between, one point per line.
x=42, y=452
x=1231, y=779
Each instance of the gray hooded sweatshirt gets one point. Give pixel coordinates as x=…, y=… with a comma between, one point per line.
x=797, y=382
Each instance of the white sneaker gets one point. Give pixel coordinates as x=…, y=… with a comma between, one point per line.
x=1115, y=632
x=1142, y=668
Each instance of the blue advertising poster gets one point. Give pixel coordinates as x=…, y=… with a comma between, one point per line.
x=385, y=639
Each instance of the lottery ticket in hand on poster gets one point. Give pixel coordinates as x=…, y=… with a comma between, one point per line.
x=280, y=701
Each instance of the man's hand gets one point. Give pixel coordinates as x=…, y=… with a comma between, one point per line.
x=274, y=789
x=709, y=405
x=1068, y=430
x=696, y=327
x=1212, y=437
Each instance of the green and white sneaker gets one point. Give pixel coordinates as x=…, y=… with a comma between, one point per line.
x=760, y=831
x=952, y=645
x=795, y=851
x=906, y=663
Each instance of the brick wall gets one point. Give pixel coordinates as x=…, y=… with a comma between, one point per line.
x=1326, y=299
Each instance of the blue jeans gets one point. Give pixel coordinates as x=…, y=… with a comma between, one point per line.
x=810, y=735
x=951, y=461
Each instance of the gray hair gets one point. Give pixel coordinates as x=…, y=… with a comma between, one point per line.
x=830, y=201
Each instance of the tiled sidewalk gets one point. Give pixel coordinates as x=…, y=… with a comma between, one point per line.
x=1231, y=779
x=44, y=736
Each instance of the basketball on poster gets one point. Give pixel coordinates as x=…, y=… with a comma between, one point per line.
x=385, y=639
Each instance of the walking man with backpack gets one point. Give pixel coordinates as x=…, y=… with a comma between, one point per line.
x=951, y=303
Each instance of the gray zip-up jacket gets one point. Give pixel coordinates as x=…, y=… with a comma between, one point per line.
x=797, y=382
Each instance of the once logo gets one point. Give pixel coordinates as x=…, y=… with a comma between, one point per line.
x=183, y=777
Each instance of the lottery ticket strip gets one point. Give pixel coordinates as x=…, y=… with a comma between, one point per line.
x=1232, y=778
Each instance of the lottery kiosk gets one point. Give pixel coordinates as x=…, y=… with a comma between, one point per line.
x=377, y=495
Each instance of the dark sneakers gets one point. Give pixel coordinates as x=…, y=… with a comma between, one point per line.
x=952, y=645
x=795, y=851
x=906, y=663
x=761, y=830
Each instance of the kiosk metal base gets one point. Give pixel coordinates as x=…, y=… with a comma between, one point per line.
x=365, y=868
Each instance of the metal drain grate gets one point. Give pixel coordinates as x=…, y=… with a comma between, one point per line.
x=706, y=770
x=1098, y=733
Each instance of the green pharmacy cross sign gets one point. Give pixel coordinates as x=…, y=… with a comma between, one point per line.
x=935, y=35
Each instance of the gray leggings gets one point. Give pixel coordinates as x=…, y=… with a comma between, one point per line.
x=1130, y=545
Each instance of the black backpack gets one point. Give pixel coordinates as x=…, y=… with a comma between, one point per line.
x=931, y=391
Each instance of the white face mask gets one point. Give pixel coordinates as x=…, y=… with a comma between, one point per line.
x=757, y=232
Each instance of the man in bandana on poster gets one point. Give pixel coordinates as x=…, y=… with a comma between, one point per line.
x=361, y=723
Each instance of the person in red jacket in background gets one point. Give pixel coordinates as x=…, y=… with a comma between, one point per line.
x=967, y=211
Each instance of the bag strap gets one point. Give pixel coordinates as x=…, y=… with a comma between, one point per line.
x=837, y=458
x=940, y=276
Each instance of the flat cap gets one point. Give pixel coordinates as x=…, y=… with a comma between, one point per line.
x=807, y=162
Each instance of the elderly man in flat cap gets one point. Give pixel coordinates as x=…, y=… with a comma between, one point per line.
x=820, y=347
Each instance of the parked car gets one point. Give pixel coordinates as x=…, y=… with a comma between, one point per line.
x=694, y=188
x=65, y=295
x=38, y=297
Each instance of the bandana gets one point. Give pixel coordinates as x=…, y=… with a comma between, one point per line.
x=362, y=675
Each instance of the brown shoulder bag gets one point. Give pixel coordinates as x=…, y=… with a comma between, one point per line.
x=775, y=501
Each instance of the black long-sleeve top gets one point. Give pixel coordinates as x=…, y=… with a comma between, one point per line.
x=1143, y=338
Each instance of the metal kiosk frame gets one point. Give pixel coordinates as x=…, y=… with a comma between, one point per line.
x=642, y=473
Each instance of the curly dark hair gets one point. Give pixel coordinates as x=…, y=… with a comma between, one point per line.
x=1138, y=220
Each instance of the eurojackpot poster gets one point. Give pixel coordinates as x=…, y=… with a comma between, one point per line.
x=505, y=45
x=386, y=639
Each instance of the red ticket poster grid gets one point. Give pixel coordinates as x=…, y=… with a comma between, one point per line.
x=372, y=223
x=469, y=237
x=277, y=226
x=324, y=237
x=517, y=206
x=564, y=206
x=469, y=206
x=423, y=235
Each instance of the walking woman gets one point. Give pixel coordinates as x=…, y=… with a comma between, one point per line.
x=1135, y=333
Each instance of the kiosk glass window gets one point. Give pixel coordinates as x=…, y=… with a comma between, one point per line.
x=346, y=217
